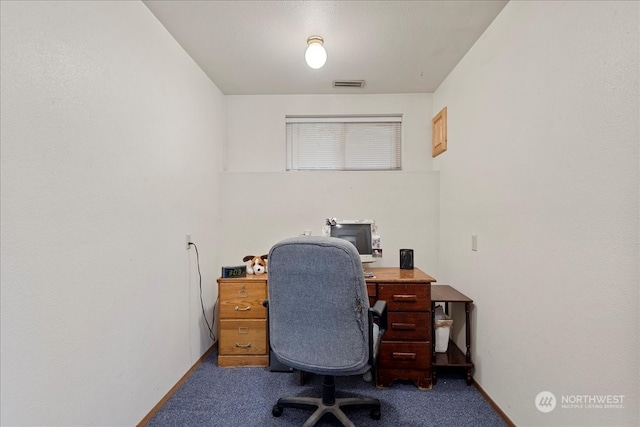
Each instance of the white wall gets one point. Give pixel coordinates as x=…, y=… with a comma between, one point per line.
x=542, y=164
x=262, y=203
x=111, y=152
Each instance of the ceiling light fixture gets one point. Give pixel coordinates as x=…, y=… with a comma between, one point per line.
x=315, y=55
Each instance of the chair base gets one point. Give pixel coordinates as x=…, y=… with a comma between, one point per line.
x=328, y=404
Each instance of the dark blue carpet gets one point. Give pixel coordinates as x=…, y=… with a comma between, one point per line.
x=243, y=397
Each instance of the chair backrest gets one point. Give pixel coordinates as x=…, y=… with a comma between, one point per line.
x=318, y=306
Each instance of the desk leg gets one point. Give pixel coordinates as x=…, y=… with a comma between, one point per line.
x=467, y=309
x=434, y=376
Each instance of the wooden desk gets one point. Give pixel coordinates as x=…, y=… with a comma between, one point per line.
x=454, y=357
x=405, y=351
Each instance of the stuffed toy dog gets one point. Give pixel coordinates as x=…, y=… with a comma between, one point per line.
x=257, y=264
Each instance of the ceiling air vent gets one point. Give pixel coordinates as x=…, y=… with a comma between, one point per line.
x=348, y=83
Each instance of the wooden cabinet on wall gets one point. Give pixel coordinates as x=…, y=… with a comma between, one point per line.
x=243, y=322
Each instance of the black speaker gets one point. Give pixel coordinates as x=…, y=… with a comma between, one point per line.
x=406, y=259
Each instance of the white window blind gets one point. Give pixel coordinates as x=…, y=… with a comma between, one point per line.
x=344, y=143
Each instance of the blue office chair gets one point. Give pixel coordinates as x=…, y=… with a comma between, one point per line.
x=320, y=320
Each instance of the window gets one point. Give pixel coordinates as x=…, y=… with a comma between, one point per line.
x=343, y=143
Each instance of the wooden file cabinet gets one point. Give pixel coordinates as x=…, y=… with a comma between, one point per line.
x=243, y=322
x=405, y=351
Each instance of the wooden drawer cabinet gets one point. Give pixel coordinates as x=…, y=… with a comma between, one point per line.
x=243, y=322
x=406, y=350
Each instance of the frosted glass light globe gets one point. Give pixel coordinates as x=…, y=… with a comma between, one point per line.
x=316, y=55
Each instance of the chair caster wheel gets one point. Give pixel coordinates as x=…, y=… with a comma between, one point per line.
x=276, y=411
x=375, y=414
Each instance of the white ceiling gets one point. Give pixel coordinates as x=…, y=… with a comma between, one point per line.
x=257, y=47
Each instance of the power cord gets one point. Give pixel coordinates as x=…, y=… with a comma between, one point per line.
x=211, y=334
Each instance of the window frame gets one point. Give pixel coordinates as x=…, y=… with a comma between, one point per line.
x=343, y=161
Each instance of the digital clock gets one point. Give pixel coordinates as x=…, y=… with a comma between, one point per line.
x=237, y=271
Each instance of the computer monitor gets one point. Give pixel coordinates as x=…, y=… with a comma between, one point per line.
x=359, y=233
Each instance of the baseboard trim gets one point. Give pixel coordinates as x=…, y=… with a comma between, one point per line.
x=493, y=404
x=170, y=393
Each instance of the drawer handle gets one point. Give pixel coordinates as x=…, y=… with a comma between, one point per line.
x=404, y=356
x=238, y=345
x=403, y=326
x=247, y=308
x=405, y=298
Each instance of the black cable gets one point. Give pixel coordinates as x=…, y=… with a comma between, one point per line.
x=213, y=320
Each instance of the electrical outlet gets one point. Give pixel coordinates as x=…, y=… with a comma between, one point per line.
x=474, y=242
x=188, y=241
